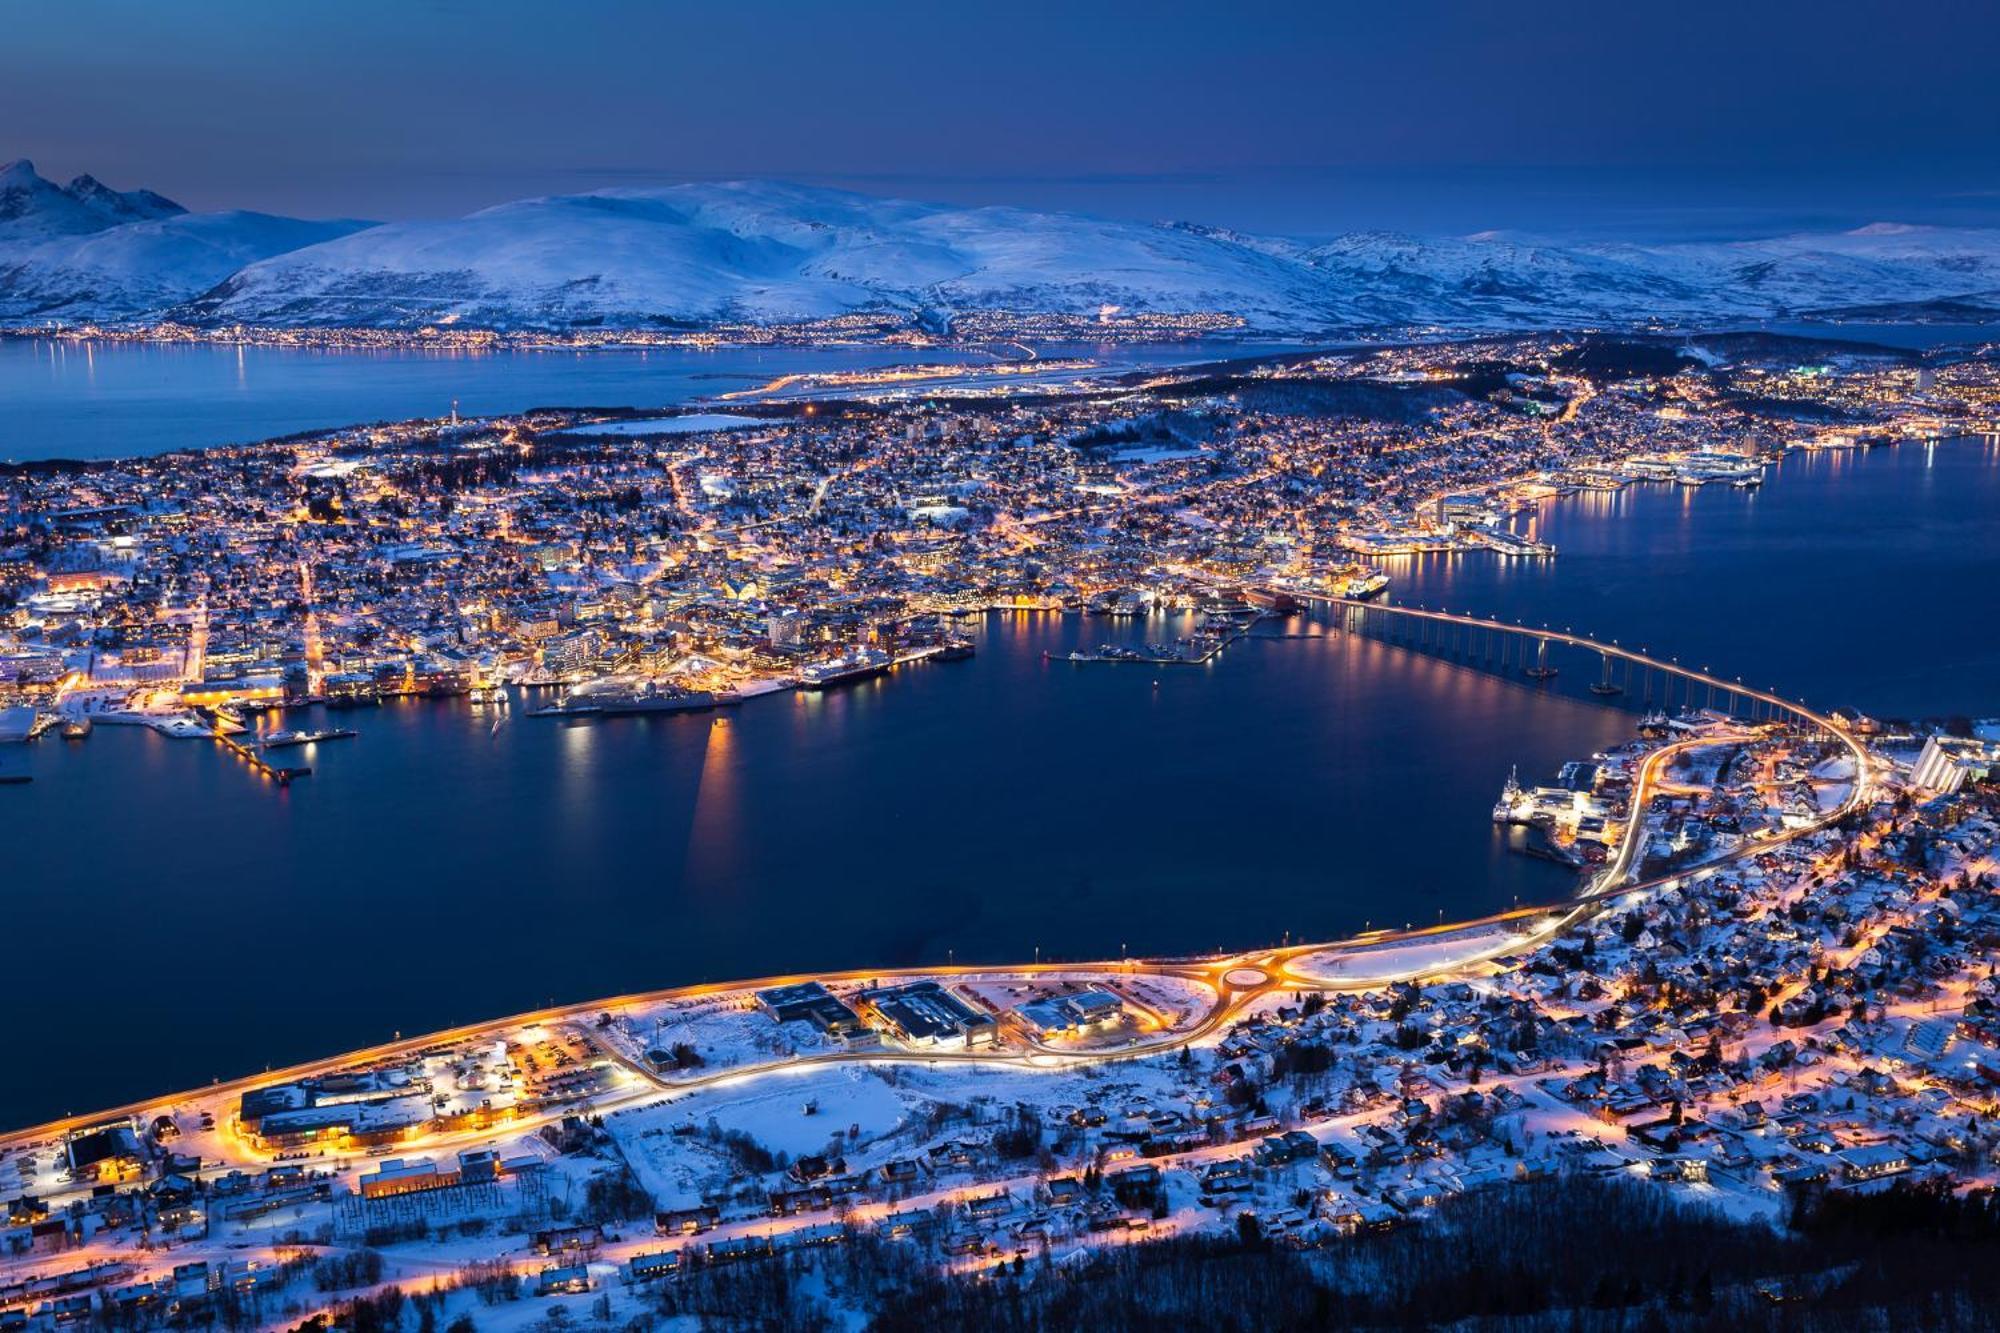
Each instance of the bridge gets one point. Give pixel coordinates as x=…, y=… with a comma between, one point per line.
x=1495, y=645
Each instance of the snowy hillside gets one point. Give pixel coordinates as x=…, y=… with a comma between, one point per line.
x=752, y=251
x=85, y=252
x=765, y=253
x=32, y=208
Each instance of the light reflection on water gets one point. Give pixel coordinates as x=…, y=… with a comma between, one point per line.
x=437, y=870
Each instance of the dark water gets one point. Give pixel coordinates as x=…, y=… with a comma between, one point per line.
x=118, y=400
x=172, y=918
x=1912, y=337
x=189, y=921
x=1860, y=579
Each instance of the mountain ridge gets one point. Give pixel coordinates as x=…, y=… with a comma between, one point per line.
x=764, y=252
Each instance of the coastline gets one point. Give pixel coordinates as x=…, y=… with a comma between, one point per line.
x=1609, y=884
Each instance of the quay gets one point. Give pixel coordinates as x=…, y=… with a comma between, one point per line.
x=258, y=764
x=1199, y=650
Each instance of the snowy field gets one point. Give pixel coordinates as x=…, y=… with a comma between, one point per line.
x=712, y=1036
x=682, y=425
x=1389, y=962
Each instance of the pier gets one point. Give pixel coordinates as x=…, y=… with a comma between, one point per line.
x=258, y=763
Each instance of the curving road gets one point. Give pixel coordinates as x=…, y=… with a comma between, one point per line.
x=1236, y=980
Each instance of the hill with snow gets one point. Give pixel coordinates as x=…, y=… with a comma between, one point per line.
x=86, y=252
x=761, y=252
x=757, y=252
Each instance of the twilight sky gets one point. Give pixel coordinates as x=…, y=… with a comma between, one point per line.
x=1700, y=117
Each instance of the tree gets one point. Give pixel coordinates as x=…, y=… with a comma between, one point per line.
x=1249, y=1231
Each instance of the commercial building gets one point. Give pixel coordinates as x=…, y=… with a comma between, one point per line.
x=1070, y=1015
x=925, y=1013
x=810, y=1002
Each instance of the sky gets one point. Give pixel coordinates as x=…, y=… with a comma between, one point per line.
x=1692, y=118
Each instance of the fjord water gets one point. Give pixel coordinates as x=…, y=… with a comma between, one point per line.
x=84, y=400
x=192, y=921
x=117, y=400
x=1859, y=579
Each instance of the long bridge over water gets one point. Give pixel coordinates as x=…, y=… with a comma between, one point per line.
x=1630, y=675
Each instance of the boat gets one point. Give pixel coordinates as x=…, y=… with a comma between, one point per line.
x=1606, y=688
x=1361, y=587
x=15, y=779
x=629, y=702
x=76, y=728
x=1540, y=672
x=1110, y=652
x=1653, y=724
x=956, y=650
x=858, y=665
x=277, y=740
x=17, y=723
x=1513, y=807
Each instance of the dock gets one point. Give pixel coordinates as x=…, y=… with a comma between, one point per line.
x=258, y=764
x=1196, y=651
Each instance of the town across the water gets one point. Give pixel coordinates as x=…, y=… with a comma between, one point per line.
x=635, y=563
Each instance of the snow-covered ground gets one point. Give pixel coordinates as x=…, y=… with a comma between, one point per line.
x=690, y=424
x=1390, y=962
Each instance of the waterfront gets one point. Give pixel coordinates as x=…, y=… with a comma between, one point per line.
x=976, y=809
x=971, y=810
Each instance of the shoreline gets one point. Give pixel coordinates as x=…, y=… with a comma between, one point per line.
x=1595, y=892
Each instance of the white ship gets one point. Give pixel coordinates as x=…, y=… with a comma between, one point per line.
x=1363, y=586
x=1514, y=805
x=17, y=723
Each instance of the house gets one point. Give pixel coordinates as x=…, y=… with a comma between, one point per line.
x=641, y=1268
x=990, y=1206
x=687, y=1221
x=900, y=1226
x=1873, y=1161
x=1089, y=1010
x=396, y=1176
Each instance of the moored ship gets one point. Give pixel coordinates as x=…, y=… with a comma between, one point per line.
x=278, y=740
x=859, y=665
x=17, y=723
x=1361, y=587
x=629, y=702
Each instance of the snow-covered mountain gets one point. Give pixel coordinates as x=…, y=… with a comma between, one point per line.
x=1496, y=280
x=33, y=208
x=752, y=251
x=86, y=252
x=765, y=252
